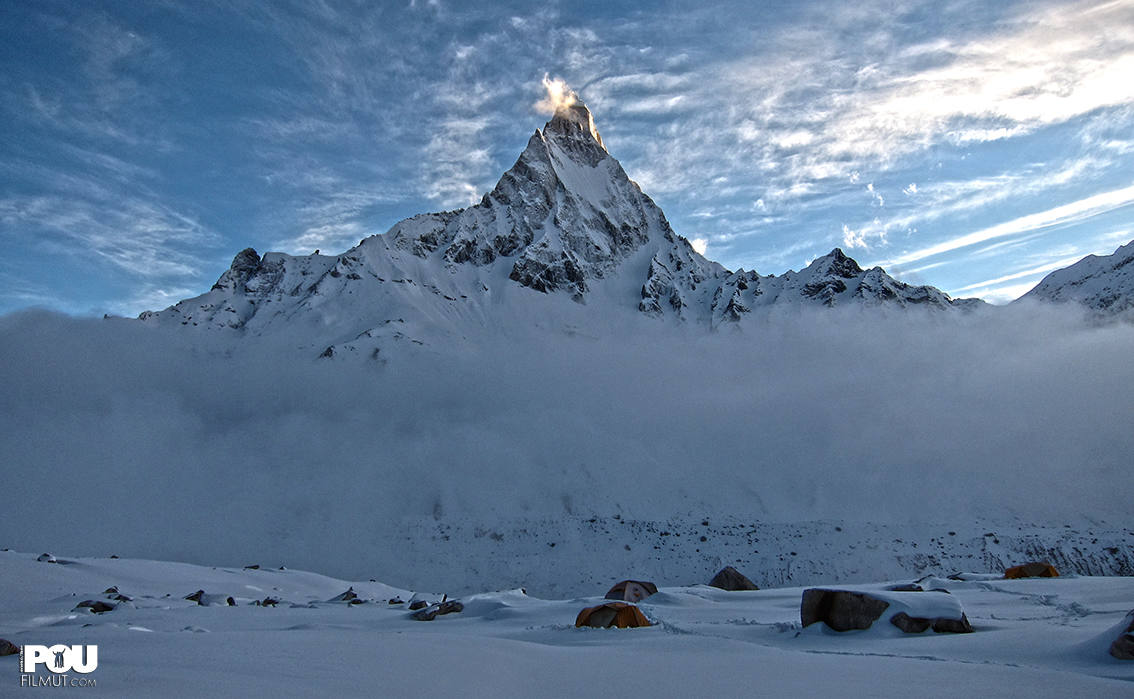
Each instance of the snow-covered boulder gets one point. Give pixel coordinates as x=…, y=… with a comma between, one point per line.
x=912, y=612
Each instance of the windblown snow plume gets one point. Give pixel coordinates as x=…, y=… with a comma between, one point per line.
x=559, y=96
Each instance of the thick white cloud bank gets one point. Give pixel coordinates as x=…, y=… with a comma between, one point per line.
x=116, y=438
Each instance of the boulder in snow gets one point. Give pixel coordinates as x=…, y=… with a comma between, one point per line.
x=910, y=611
x=910, y=624
x=426, y=614
x=842, y=610
x=96, y=606
x=445, y=606
x=1123, y=646
x=732, y=580
x=916, y=624
x=347, y=596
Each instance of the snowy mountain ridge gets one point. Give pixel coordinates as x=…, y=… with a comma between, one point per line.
x=564, y=220
x=1102, y=283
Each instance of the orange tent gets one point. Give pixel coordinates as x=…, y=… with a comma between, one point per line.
x=631, y=590
x=610, y=614
x=1032, y=570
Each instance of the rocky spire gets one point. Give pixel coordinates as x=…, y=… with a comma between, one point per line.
x=574, y=121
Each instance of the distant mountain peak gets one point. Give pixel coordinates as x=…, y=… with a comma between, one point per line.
x=836, y=263
x=1102, y=283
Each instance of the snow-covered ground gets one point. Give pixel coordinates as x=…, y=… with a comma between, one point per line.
x=1033, y=637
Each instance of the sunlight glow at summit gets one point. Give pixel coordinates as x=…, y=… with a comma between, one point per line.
x=965, y=145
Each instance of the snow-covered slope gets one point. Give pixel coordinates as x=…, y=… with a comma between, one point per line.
x=565, y=221
x=1034, y=637
x=1103, y=284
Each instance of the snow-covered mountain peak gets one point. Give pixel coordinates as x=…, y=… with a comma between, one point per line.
x=835, y=263
x=574, y=121
x=564, y=216
x=565, y=219
x=244, y=265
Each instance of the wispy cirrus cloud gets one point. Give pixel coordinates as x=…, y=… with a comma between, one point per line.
x=868, y=94
x=1022, y=277
x=1064, y=214
x=1030, y=273
x=103, y=215
x=998, y=83
x=954, y=199
x=142, y=238
x=772, y=132
x=335, y=213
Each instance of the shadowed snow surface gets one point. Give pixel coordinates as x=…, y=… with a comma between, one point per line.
x=1039, y=637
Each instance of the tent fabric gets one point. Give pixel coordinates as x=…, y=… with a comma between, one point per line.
x=1032, y=570
x=631, y=590
x=612, y=614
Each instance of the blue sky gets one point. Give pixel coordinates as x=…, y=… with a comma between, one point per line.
x=970, y=145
